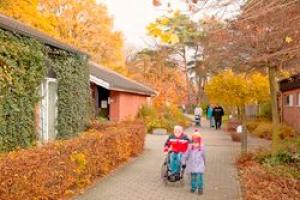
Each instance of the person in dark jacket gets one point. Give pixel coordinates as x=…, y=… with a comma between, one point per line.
x=218, y=113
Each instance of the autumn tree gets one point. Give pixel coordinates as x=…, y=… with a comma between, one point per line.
x=84, y=24
x=87, y=25
x=153, y=67
x=219, y=8
x=179, y=33
x=238, y=90
x=265, y=37
x=27, y=11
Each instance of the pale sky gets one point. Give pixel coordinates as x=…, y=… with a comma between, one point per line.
x=132, y=17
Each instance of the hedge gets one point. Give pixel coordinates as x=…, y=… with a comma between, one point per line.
x=60, y=169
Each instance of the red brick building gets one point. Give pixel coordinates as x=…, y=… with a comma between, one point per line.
x=290, y=100
x=117, y=97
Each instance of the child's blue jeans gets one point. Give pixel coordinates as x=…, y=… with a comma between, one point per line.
x=175, y=162
x=197, y=181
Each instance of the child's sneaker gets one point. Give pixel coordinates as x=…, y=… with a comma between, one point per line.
x=200, y=191
x=193, y=190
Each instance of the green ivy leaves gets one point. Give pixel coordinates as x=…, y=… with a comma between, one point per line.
x=74, y=107
x=21, y=71
x=24, y=63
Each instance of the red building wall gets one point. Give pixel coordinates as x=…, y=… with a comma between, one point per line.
x=291, y=114
x=125, y=105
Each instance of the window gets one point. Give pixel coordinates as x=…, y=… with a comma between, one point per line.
x=289, y=100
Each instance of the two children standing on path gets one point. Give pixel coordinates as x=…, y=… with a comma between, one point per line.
x=192, y=157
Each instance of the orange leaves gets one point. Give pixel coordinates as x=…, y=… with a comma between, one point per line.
x=27, y=11
x=59, y=170
x=156, y=2
x=88, y=26
x=83, y=24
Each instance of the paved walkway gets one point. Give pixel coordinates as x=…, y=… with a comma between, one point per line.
x=140, y=180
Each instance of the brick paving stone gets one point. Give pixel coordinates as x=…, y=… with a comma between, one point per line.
x=140, y=180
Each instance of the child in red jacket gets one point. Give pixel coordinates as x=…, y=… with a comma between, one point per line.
x=176, y=145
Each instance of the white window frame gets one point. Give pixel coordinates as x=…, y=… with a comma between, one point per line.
x=291, y=100
x=44, y=129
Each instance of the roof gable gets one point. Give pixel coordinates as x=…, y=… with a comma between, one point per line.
x=290, y=83
x=118, y=82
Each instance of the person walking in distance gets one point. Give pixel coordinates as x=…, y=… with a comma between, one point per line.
x=198, y=115
x=218, y=113
x=210, y=116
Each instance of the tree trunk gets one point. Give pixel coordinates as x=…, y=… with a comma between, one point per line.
x=274, y=103
x=244, y=136
x=201, y=89
x=258, y=109
x=187, y=80
x=239, y=113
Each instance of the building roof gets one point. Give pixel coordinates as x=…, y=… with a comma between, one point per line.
x=293, y=82
x=15, y=26
x=117, y=82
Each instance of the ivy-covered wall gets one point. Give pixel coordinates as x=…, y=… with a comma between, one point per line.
x=21, y=71
x=74, y=108
x=24, y=63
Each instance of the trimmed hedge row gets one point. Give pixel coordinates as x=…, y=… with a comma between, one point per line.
x=60, y=169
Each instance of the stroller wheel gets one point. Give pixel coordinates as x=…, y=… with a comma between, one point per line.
x=164, y=171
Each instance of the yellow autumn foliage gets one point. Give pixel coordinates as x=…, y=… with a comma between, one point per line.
x=83, y=24
x=232, y=89
x=27, y=12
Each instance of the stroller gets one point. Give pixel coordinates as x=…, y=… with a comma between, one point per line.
x=169, y=177
x=197, y=120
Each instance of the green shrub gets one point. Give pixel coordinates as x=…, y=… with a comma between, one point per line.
x=167, y=117
x=204, y=107
x=282, y=157
x=150, y=117
x=284, y=162
x=261, y=156
x=290, y=144
x=147, y=111
x=266, y=111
